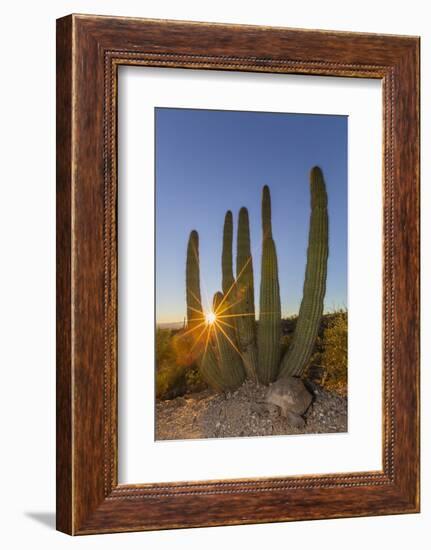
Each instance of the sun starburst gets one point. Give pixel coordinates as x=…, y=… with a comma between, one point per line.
x=210, y=317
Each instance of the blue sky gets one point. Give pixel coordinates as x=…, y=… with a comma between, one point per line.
x=210, y=161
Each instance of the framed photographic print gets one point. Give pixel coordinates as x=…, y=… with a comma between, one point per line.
x=237, y=274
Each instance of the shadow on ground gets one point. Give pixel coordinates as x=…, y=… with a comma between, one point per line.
x=45, y=518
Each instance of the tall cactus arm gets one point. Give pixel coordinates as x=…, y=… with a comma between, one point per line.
x=310, y=312
x=244, y=297
x=269, y=326
x=266, y=213
x=193, y=289
x=227, y=262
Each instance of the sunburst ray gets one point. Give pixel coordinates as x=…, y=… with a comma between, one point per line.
x=225, y=323
x=229, y=339
x=198, y=339
x=236, y=315
x=235, y=281
x=191, y=330
x=229, y=306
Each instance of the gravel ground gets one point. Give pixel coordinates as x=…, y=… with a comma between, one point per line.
x=244, y=413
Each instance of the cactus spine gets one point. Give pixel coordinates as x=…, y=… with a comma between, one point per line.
x=311, y=309
x=245, y=314
x=269, y=327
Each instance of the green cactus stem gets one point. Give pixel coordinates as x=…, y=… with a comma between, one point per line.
x=221, y=368
x=227, y=308
x=229, y=358
x=227, y=262
x=208, y=367
x=269, y=327
x=193, y=290
x=194, y=332
x=266, y=213
x=310, y=312
x=244, y=297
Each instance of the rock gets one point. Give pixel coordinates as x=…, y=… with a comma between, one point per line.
x=292, y=397
x=295, y=420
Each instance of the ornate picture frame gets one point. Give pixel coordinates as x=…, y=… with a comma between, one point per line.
x=89, y=51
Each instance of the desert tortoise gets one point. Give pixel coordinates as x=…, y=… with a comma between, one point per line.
x=292, y=397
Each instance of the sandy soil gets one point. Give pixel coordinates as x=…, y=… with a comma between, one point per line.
x=244, y=413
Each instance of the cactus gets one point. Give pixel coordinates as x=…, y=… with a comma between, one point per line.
x=244, y=311
x=266, y=213
x=229, y=358
x=192, y=336
x=225, y=355
x=226, y=262
x=311, y=309
x=208, y=366
x=269, y=327
x=193, y=288
x=219, y=362
x=227, y=307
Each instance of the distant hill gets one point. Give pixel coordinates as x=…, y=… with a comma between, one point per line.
x=176, y=325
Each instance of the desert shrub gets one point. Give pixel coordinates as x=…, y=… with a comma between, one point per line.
x=165, y=354
x=334, y=355
x=170, y=382
x=184, y=349
x=285, y=341
x=194, y=380
x=328, y=363
x=176, y=369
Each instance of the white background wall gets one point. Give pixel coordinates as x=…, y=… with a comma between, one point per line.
x=27, y=279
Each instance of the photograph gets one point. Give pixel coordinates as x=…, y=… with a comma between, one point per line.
x=251, y=249
x=212, y=221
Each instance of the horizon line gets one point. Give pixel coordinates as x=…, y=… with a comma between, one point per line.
x=287, y=316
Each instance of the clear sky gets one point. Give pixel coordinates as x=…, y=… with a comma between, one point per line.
x=208, y=162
